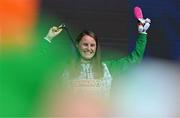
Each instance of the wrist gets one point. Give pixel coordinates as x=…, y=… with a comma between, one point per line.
x=142, y=32
x=48, y=39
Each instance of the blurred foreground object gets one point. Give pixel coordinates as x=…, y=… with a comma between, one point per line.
x=151, y=90
x=17, y=20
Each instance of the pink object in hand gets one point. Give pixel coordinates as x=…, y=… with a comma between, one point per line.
x=138, y=12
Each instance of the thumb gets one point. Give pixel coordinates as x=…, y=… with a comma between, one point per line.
x=59, y=30
x=146, y=26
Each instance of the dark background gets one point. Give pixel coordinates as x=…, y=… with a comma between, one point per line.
x=115, y=25
x=23, y=74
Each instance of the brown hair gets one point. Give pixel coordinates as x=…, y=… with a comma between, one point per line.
x=96, y=61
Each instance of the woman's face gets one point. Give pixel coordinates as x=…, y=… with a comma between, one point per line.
x=87, y=47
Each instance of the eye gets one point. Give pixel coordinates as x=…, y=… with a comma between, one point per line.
x=93, y=45
x=85, y=44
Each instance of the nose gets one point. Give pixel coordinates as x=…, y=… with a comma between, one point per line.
x=89, y=47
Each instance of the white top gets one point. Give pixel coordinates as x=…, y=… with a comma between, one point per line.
x=86, y=84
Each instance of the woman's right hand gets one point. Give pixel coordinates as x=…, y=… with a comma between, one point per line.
x=53, y=32
x=144, y=25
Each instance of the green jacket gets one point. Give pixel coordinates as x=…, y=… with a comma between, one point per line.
x=116, y=67
x=120, y=65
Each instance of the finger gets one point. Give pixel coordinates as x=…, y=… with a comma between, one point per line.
x=60, y=26
x=58, y=31
x=141, y=20
x=148, y=20
x=54, y=29
x=146, y=26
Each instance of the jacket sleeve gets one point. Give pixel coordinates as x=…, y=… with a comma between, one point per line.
x=58, y=48
x=44, y=47
x=122, y=64
x=56, y=53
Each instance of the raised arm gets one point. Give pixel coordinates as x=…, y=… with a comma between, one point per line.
x=53, y=32
x=136, y=55
x=46, y=43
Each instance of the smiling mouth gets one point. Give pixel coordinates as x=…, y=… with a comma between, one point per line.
x=89, y=53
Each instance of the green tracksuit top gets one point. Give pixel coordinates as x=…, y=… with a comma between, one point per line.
x=122, y=64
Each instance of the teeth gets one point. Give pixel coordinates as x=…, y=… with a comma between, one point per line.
x=88, y=52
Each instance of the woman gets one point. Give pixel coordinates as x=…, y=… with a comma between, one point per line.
x=88, y=71
x=89, y=77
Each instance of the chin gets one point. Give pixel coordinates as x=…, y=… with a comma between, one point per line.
x=88, y=58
